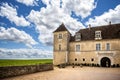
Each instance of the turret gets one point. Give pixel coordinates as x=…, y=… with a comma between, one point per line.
x=61, y=42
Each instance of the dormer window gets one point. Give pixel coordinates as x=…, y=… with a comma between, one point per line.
x=77, y=37
x=98, y=35
x=60, y=36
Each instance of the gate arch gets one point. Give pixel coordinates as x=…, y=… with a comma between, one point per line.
x=105, y=62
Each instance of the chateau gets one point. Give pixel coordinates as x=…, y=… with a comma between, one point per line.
x=90, y=46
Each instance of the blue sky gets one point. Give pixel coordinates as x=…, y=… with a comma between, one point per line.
x=27, y=25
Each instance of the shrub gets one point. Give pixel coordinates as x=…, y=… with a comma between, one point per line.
x=117, y=65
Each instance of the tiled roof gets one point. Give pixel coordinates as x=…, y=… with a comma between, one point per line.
x=61, y=28
x=107, y=32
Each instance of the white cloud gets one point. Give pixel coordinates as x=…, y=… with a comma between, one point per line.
x=10, y=13
x=82, y=8
x=112, y=15
x=28, y=2
x=16, y=35
x=24, y=53
x=49, y=18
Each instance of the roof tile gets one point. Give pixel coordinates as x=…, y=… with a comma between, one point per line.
x=61, y=28
x=108, y=32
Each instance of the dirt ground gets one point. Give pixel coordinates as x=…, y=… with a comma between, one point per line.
x=77, y=73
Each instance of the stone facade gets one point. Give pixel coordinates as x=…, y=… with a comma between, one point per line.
x=98, y=46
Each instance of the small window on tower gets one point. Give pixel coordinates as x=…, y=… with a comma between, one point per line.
x=60, y=36
x=55, y=36
x=59, y=47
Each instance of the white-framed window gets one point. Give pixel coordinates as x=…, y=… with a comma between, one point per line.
x=98, y=47
x=107, y=46
x=59, y=47
x=77, y=48
x=78, y=37
x=98, y=35
x=60, y=36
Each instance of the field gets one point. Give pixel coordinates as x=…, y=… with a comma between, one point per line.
x=24, y=62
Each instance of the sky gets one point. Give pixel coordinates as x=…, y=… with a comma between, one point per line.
x=26, y=26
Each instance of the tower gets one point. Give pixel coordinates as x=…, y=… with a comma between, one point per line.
x=61, y=42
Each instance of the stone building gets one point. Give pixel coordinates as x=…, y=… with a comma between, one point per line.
x=90, y=46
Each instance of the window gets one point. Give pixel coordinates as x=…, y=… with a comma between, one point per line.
x=77, y=37
x=55, y=36
x=59, y=47
x=77, y=48
x=98, y=47
x=83, y=59
x=108, y=46
x=98, y=35
x=92, y=59
x=60, y=36
x=75, y=59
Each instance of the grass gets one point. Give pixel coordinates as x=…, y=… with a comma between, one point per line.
x=24, y=62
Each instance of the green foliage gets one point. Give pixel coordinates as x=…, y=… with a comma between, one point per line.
x=24, y=62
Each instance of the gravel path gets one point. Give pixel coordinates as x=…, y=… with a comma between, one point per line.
x=77, y=73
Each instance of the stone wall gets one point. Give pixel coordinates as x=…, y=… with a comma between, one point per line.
x=20, y=70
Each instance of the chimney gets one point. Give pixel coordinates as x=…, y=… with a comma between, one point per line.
x=109, y=22
x=89, y=26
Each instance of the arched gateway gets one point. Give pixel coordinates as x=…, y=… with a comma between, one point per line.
x=105, y=62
